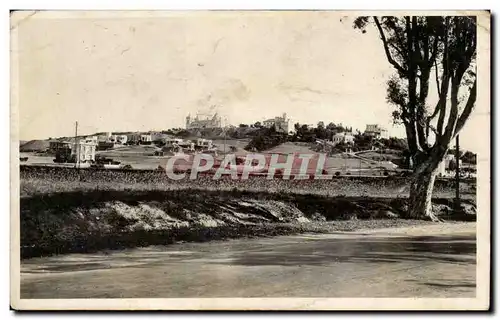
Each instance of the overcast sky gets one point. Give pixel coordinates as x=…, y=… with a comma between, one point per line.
x=148, y=73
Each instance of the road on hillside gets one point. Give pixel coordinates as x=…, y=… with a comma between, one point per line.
x=372, y=264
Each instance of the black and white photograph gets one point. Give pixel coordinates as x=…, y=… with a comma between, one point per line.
x=250, y=160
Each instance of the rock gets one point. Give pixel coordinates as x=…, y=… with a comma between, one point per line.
x=318, y=217
x=302, y=220
x=389, y=214
x=441, y=209
x=405, y=207
x=468, y=208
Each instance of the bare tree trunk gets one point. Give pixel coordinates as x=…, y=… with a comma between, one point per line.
x=419, y=205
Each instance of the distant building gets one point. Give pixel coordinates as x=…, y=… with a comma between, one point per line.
x=445, y=166
x=133, y=138
x=173, y=142
x=375, y=131
x=84, y=150
x=66, y=151
x=121, y=139
x=204, y=144
x=203, y=122
x=344, y=137
x=280, y=123
x=146, y=138
x=91, y=138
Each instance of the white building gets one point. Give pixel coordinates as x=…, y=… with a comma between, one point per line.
x=146, y=138
x=376, y=131
x=92, y=139
x=280, y=123
x=173, y=142
x=84, y=150
x=204, y=143
x=445, y=168
x=344, y=137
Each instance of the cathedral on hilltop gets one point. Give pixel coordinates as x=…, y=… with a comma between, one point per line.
x=203, y=121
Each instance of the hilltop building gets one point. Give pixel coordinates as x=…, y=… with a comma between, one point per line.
x=344, y=137
x=203, y=122
x=375, y=131
x=280, y=123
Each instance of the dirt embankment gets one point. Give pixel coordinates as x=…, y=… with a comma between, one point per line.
x=93, y=220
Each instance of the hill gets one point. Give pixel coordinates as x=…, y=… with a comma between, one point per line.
x=34, y=146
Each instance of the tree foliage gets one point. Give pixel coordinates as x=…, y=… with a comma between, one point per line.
x=303, y=133
x=266, y=138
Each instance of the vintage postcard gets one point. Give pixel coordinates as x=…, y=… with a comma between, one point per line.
x=250, y=160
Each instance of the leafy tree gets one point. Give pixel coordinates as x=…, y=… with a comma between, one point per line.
x=416, y=47
x=394, y=143
x=183, y=133
x=303, y=133
x=363, y=142
x=265, y=139
x=469, y=157
x=331, y=126
x=320, y=131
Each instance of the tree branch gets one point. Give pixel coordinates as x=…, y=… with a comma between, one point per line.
x=471, y=102
x=441, y=105
x=386, y=47
x=397, y=50
x=437, y=78
x=452, y=119
x=434, y=51
x=445, y=83
x=421, y=114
